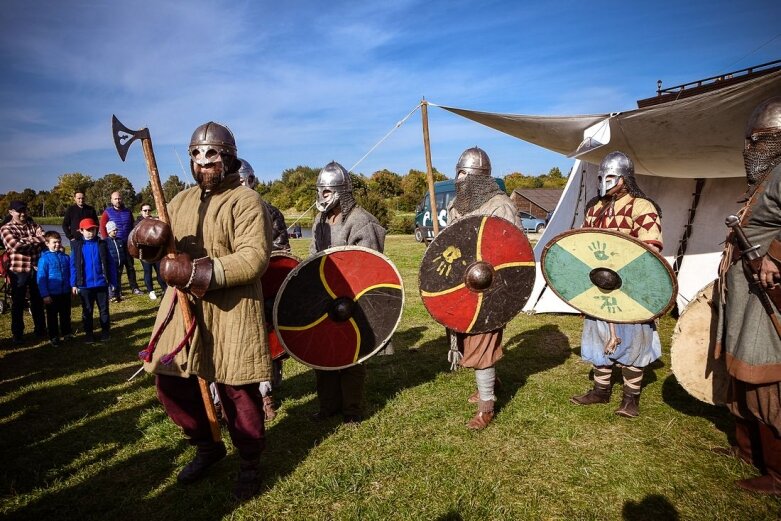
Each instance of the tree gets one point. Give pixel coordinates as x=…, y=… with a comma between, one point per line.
x=69, y=184
x=171, y=187
x=99, y=194
x=386, y=184
x=415, y=186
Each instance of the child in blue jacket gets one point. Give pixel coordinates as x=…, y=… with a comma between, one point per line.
x=92, y=275
x=54, y=284
x=116, y=247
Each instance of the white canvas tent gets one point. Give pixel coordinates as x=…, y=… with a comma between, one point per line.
x=688, y=157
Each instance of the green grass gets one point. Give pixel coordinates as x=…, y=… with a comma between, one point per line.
x=80, y=442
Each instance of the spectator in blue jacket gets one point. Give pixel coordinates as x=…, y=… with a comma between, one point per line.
x=116, y=247
x=123, y=218
x=54, y=285
x=92, y=274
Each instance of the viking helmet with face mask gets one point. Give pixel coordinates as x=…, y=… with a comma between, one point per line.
x=474, y=184
x=762, y=151
x=614, y=166
x=213, y=143
x=334, y=187
x=247, y=174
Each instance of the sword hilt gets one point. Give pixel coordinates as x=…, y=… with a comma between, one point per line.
x=746, y=249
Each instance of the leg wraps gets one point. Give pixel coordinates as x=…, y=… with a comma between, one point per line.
x=633, y=379
x=602, y=376
x=486, y=379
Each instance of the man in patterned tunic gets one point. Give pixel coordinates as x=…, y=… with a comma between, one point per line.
x=621, y=206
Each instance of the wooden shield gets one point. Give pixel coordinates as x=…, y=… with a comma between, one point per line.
x=609, y=275
x=477, y=274
x=279, y=265
x=694, y=339
x=339, y=307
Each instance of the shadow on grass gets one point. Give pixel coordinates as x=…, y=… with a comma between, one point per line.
x=676, y=397
x=533, y=351
x=653, y=507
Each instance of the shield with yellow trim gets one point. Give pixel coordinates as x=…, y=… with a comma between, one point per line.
x=279, y=266
x=609, y=275
x=477, y=274
x=339, y=307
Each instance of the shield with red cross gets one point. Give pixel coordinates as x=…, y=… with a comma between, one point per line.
x=477, y=274
x=338, y=307
x=609, y=275
x=279, y=265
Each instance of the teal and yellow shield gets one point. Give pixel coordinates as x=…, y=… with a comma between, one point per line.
x=609, y=275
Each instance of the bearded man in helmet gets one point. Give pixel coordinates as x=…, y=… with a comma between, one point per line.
x=223, y=243
x=620, y=206
x=340, y=222
x=478, y=194
x=748, y=338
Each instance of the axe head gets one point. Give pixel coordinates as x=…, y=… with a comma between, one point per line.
x=124, y=137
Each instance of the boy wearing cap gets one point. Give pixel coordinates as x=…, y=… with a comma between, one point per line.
x=116, y=248
x=24, y=240
x=92, y=274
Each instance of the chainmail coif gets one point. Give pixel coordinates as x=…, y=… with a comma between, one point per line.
x=472, y=191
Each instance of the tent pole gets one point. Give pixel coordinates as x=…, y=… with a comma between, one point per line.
x=429, y=170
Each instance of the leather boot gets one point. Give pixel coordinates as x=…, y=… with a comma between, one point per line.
x=595, y=395
x=248, y=481
x=630, y=406
x=484, y=416
x=268, y=407
x=206, y=455
x=770, y=482
x=746, y=438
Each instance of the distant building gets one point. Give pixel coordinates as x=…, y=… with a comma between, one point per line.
x=537, y=201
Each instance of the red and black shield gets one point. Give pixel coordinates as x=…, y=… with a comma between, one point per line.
x=477, y=274
x=279, y=266
x=339, y=307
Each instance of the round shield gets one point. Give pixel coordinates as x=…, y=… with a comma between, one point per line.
x=693, y=343
x=477, y=274
x=279, y=265
x=609, y=275
x=339, y=307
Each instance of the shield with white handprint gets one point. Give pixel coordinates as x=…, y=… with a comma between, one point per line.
x=477, y=274
x=609, y=275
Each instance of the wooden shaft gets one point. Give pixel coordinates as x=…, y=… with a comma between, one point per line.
x=429, y=169
x=181, y=296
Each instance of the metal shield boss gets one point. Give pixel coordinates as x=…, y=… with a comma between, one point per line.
x=279, y=266
x=692, y=351
x=609, y=275
x=339, y=307
x=477, y=274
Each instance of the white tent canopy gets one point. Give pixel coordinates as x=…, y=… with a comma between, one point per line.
x=688, y=157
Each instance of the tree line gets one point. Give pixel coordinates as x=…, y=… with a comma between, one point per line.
x=384, y=193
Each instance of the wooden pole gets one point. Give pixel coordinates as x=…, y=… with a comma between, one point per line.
x=429, y=170
x=181, y=296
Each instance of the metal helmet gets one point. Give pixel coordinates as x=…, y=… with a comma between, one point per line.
x=474, y=161
x=614, y=166
x=212, y=143
x=762, y=151
x=334, y=178
x=247, y=174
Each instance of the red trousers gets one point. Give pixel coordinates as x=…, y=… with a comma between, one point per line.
x=242, y=406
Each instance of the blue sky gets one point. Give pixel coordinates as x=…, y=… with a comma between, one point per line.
x=307, y=82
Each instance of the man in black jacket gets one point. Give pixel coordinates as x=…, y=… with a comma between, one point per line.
x=74, y=214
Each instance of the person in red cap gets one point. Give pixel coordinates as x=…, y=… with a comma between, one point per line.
x=24, y=240
x=92, y=274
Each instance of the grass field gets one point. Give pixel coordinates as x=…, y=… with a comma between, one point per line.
x=78, y=441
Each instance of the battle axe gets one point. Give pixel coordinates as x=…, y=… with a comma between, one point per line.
x=123, y=138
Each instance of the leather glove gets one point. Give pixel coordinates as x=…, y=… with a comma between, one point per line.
x=187, y=274
x=149, y=240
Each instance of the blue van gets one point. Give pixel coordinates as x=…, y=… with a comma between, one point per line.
x=445, y=192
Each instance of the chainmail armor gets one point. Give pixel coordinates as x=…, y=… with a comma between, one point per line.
x=761, y=160
x=472, y=191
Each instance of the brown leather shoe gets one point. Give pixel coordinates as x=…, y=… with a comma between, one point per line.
x=761, y=485
x=484, y=416
x=630, y=406
x=247, y=483
x=268, y=408
x=595, y=395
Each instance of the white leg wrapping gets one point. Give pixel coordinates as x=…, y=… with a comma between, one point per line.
x=265, y=388
x=486, y=378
